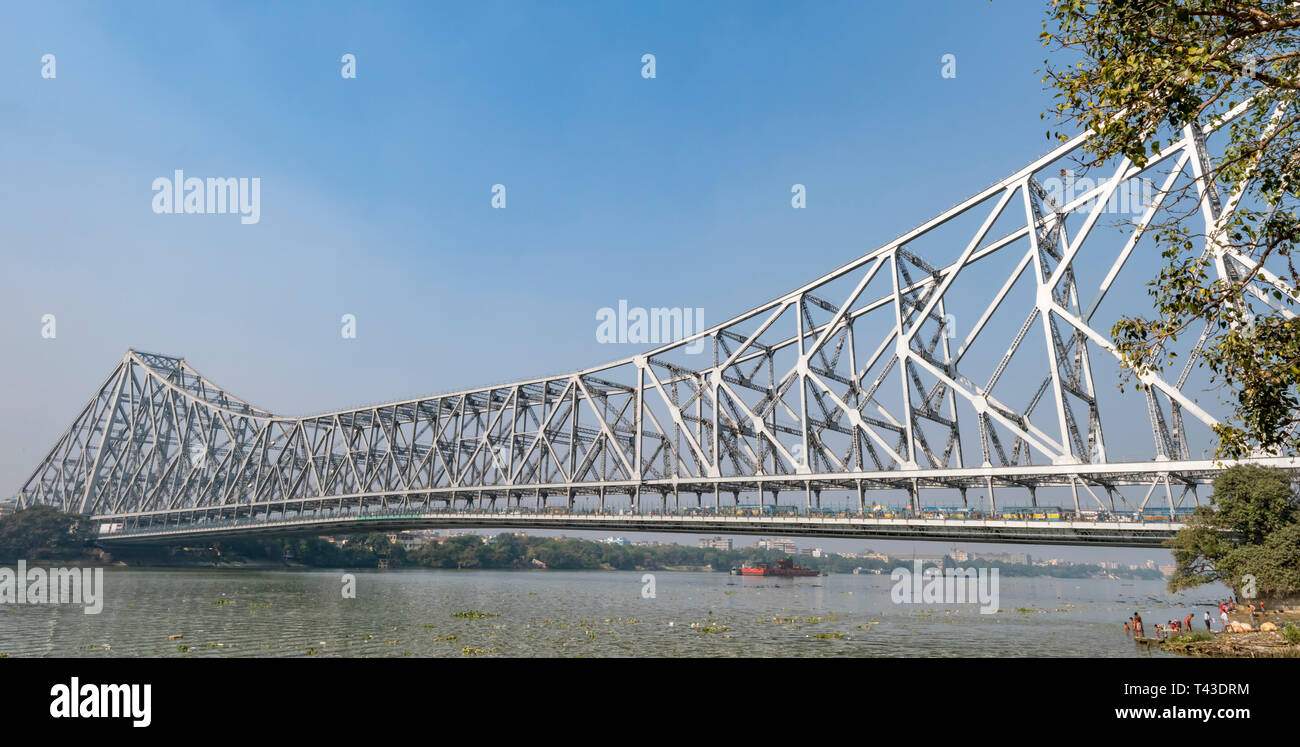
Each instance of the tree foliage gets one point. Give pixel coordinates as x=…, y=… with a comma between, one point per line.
x=1275, y=563
x=1137, y=73
x=1253, y=502
x=1251, y=527
x=41, y=532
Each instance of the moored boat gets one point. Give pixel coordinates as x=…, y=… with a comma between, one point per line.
x=782, y=567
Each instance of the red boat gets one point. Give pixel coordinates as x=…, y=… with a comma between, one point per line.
x=783, y=567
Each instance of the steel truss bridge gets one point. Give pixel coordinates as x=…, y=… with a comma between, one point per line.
x=851, y=384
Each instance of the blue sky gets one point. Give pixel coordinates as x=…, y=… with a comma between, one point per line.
x=375, y=197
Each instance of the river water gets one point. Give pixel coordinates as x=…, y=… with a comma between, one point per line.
x=580, y=613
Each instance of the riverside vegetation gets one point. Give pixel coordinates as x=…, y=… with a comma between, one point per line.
x=1248, y=539
x=41, y=532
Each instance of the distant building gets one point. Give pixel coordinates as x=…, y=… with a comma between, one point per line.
x=1011, y=558
x=412, y=540
x=620, y=541
x=780, y=545
x=715, y=543
x=961, y=556
x=1167, y=570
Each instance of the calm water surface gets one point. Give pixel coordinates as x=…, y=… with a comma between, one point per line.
x=580, y=613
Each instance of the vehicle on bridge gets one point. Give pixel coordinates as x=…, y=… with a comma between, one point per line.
x=1180, y=514
x=947, y=512
x=1033, y=513
x=755, y=509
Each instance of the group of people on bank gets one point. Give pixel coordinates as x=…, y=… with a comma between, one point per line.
x=1135, y=625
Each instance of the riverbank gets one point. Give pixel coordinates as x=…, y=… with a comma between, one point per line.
x=1261, y=645
x=1268, y=640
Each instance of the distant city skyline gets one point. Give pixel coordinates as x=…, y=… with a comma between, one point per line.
x=1089, y=555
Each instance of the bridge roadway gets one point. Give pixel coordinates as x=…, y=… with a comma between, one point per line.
x=1036, y=532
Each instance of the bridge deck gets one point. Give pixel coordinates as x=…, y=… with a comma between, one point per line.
x=1107, y=533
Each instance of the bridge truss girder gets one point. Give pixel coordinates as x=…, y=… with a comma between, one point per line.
x=853, y=382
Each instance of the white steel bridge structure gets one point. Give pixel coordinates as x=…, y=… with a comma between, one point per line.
x=853, y=383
